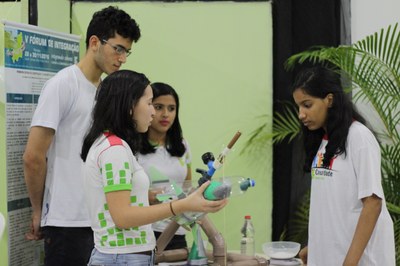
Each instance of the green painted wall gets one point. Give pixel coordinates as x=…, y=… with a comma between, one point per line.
x=218, y=56
x=14, y=11
x=54, y=15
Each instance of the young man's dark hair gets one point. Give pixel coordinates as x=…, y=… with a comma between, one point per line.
x=110, y=20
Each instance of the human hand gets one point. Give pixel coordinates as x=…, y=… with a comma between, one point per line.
x=303, y=255
x=153, y=192
x=197, y=202
x=35, y=233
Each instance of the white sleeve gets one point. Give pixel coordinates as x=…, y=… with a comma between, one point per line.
x=116, y=169
x=188, y=154
x=55, y=100
x=367, y=164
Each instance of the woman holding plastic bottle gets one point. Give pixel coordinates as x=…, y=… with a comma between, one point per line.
x=116, y=186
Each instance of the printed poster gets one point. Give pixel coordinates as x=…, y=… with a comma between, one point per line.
x=32, y=55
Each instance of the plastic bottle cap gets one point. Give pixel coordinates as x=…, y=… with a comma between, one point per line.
x=248, y=217
x=245, y=184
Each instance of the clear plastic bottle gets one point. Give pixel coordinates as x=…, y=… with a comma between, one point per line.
x=247, y=243
x=219, y=188
x=225, y=187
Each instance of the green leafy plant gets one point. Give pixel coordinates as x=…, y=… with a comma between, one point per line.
x=372, y=66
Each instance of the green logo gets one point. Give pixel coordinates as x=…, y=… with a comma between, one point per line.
x=14, y=46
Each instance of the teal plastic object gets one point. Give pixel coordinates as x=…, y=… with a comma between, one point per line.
x=229, y=186
x=209, y=192
x=244, y=185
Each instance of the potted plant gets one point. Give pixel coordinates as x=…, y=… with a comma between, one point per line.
x=372, y=66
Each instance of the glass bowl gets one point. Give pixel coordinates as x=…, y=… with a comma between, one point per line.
x=281, y=249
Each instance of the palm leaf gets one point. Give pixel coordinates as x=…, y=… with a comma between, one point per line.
x=396, y=226
x=260, y=138
x=297, y=228
x=373, y=66
x=286, y=125
x=393, y=208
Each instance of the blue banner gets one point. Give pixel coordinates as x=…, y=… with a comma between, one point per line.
x=34, y=51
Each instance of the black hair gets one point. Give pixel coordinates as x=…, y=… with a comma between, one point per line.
x=318, y=82
x=173, y=143
x=110, y=20
x=116, y=96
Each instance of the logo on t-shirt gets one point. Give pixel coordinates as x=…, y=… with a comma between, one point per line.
x=318, y=171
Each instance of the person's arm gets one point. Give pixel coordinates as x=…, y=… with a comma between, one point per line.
x=126, y=216
x=188, y=161
x=189, y=173
x=35, y=168
x=153, y=192
x=303, y=254
x=366, y=223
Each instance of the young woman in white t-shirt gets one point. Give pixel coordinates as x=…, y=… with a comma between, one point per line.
x=165, y=152
x=116, y=186
x=349, y=223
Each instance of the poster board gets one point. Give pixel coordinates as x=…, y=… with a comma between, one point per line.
x=31, y=55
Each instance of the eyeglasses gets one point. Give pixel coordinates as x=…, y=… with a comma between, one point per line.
x=118, y=49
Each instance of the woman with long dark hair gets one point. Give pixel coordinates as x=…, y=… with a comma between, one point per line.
x=165, y=152
x=116, y=186
x=349, y=223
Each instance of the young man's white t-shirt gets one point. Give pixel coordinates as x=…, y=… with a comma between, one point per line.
x=336, y=204
x=170, y=167
x=111, y=166
x=65, y=105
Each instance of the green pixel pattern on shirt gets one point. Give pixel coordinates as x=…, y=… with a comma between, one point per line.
x=119, y=181
x=115, y=236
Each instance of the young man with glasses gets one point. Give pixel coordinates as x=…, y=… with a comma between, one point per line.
x=52, y=164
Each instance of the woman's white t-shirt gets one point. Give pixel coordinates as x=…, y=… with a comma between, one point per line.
x=162, y=168
x=111, y=166
x=335, y=205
